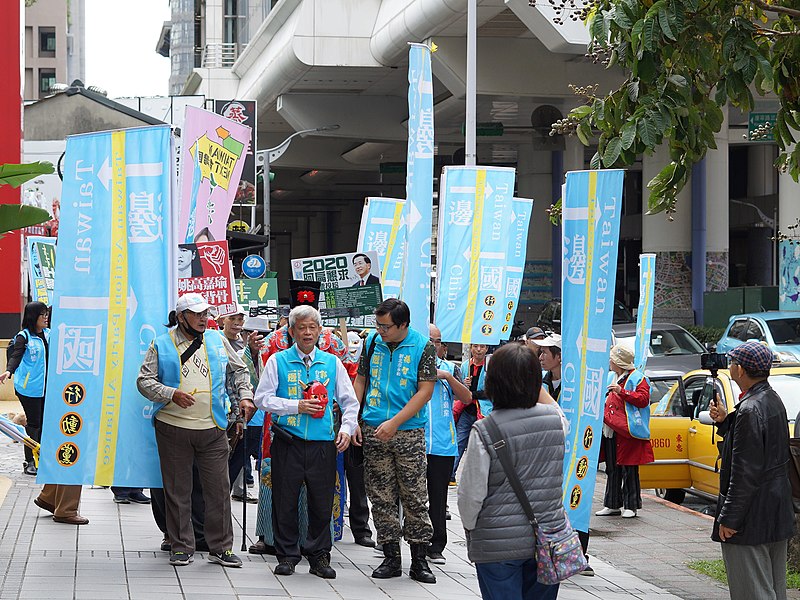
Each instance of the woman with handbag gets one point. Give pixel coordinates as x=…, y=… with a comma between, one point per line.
x=507, y=485
x=626, y=435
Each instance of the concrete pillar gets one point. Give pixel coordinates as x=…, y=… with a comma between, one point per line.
x=717, y=218
x=214, y=14
x=671, y=241
x=788, y=204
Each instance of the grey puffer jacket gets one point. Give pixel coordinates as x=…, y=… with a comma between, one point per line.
x=535, y=439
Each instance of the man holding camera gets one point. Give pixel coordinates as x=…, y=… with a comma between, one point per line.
x=755, y=517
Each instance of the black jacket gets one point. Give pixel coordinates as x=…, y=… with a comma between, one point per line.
x=755, y=497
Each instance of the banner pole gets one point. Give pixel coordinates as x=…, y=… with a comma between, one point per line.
x=244, y=485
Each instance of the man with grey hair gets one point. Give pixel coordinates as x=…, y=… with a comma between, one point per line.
x=298, y=387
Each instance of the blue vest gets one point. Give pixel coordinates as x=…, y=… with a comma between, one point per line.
x=393, y=380
x=292, y=374
x=485, y=403
x=638, y=418
x=169, y=370
x=29, y=378
x=440, y=429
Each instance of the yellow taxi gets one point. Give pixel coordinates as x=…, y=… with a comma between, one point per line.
x=684, y=438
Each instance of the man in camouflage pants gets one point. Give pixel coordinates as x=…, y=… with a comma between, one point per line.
x=395, y=381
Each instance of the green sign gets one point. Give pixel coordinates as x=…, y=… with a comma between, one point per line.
x=364, y=298
x=759, y=126
x=257, y=292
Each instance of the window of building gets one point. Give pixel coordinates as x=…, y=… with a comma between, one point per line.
x=47, y=41
x=47, y=78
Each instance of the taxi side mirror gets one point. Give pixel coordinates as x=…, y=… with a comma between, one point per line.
x=705, y=418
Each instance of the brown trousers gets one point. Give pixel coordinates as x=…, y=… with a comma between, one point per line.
x=65, y=498
x=178, y=449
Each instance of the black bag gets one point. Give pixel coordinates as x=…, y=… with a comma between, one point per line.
x=794, y=471
x=12, y=343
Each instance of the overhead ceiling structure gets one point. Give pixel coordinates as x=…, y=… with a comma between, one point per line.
x=316, y=63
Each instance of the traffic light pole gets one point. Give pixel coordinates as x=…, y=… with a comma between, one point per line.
x=266, y=158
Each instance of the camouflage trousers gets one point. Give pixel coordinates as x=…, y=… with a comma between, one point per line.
x=396, y=471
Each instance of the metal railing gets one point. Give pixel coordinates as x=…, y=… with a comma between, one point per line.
x=217, y=56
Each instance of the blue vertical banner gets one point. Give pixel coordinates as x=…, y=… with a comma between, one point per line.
x=590, y=216
x=384, y=231
x=111, y=297
x=416, y=280
x=41, y=267
x=475, y=223
x=789, y=279
x=521, y=209
x=644, y=314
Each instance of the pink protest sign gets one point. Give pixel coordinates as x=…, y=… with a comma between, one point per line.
x=213, y=151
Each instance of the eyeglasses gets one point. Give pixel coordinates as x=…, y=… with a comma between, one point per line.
x=383, y=327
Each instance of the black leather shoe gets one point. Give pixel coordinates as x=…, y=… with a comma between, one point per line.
x=30, y=469
x=166, y=546
x=420, y=571
x=284, y=568
x=365, y=541
x=321, y=567
x=392, y=564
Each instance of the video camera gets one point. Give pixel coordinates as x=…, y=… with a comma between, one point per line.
x=713, y=361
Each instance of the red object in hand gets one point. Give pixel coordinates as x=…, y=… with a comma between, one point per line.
x=316, y=391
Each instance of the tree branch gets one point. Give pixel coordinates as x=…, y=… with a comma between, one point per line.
x=778, y=9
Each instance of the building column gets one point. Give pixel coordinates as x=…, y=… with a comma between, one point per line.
x=788, y=204
x=671, y=241
x=717, y=212
x=11, y=45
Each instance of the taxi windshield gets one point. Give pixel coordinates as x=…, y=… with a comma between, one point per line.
x=787, y=387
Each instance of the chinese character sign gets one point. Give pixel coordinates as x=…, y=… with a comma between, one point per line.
x=644, y=315
x=204, y=268
x=592, y=204
x=244, y=112
x=257, y=292
x=213, y=151
x=475, y=224
x=521, y=209
x=384, y=231
x=42, y=267
x=416, y=281
x=789, y=282
x=110, y=301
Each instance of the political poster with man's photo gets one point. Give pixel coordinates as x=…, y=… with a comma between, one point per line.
x=204, y=268
x=351, y=280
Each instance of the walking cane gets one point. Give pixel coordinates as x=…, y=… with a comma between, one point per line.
x=244, y=486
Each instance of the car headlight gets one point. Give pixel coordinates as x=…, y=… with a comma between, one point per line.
x=784, y=356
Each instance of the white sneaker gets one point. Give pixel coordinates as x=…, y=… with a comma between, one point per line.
x=606, y=512
x=628, y=513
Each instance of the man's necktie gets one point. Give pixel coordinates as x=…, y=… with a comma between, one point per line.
x=307, y=361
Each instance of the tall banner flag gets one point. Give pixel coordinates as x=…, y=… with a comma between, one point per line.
x=475, y=224
x=244, y=112
x=416, y=281
x=521, y=209
x=384, y=231
x=111, y=298
x=644, y=314
x=789, y=280
x=213, y=152
x=590, y=216
x=42, y=267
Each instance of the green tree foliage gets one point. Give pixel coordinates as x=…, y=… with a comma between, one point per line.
x=16, y=216
x=684, y=60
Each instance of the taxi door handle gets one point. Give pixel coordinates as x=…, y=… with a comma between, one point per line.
x=692, y=430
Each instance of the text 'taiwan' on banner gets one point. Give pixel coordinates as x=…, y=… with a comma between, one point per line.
x=515, y=261
x=591, y=210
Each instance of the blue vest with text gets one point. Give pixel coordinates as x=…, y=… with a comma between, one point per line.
x=393, y=380
x=169, y=370
x=292, y=375
x=485, y=403
x=29, y=378
x=440, y=429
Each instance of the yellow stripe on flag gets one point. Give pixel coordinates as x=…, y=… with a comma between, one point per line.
x=475, y=254
x=398, y=215
x=117, y=319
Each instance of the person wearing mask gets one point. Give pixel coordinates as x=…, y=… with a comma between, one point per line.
x=466, y=413
x=440, y=441
x=624, y=451
x=755, y=516
x=184, y=372
x=499, y=537
x=395, y=381
x=28, y=364
x=304, y=444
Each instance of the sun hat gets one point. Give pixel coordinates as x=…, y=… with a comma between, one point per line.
x=622, y=356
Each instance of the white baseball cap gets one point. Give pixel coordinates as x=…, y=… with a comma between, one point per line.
x=195, y=303
x=259, y=323
x=238, y=310
x=551, y=340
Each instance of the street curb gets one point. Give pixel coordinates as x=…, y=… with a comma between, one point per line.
x=678, y=507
